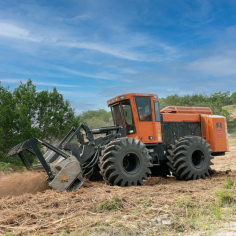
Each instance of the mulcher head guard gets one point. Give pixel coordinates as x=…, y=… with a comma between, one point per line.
x=70, y=161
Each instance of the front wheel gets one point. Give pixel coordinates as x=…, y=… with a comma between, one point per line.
x=190, y=158
x=125, y=162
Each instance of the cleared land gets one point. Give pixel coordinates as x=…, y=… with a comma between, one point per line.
x=231, y=109
x=160, y=207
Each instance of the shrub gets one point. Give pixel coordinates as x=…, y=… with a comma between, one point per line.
x=4, y=166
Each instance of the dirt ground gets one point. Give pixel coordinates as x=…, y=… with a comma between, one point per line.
x=159, y=207
x=229, y=160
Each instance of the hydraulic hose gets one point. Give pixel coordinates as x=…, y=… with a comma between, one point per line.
x=92, y=162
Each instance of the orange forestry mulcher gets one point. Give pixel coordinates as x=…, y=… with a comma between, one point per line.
x=144, y=141
x=180, y=140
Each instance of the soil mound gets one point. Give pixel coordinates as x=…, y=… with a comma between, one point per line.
x=19, y=183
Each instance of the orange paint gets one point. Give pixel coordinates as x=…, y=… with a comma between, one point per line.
x=213, y=128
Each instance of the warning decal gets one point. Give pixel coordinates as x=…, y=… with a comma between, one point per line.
x=64, y=178
x=159, y=135
x=218, y=125
x=219, y=134
x=219, y=131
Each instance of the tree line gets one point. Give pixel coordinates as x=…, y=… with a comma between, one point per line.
x=26, y=113
x=218, y=103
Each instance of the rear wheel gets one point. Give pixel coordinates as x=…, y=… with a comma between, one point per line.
x=125, y=162
x=190, y=158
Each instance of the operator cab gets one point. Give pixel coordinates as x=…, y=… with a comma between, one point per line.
x=139, y=113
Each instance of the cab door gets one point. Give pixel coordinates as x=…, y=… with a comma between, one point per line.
x=145, y=120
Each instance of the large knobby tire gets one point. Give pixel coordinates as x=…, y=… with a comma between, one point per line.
x=190, y=158
x=125, y=162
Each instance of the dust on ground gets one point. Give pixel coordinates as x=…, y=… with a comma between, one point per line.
x=16, y=184
x=140, y=210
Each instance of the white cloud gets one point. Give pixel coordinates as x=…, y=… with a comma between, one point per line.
x=13, y=31
x=221, y=65
x=77, y=93
x=9, y=30
x=77, y=18
x=104, y=76
x=125, y=50
x=13, y=80
x=113, y=50
x=39, y=83
x=56, y=84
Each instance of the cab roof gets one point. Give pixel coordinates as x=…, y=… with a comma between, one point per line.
x=128, y=96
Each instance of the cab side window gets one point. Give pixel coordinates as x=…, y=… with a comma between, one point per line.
x=128, y=115
x=157, y=111
x=144, y=108
x=116, y=114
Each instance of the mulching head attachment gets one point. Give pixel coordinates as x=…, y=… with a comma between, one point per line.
x=64, y=173
x=75, y=157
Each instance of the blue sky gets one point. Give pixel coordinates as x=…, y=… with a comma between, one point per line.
x=93, y=50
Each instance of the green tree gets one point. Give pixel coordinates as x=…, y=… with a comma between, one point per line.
x=233, y=98
x=25, y=98
x=26, y=113
x=97, y=118
x=215, y=101
x=8, y=118
x=54, y=115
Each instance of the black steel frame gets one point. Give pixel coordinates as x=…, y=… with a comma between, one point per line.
x=89, y=148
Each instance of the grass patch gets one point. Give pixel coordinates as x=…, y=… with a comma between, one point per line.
x=230, y=183
x=9, y=234
x=114, y=204
x=199, y=217
x=185, y=203
x=204, y=215
x=5, y=167
x=225, y=197
x=217, y=212
x=232, y=141
x=147, y=204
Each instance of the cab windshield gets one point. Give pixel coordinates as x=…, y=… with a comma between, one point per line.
x=144, y=108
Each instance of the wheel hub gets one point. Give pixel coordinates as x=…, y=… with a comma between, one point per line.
x=131, y=163
x=198, y=158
